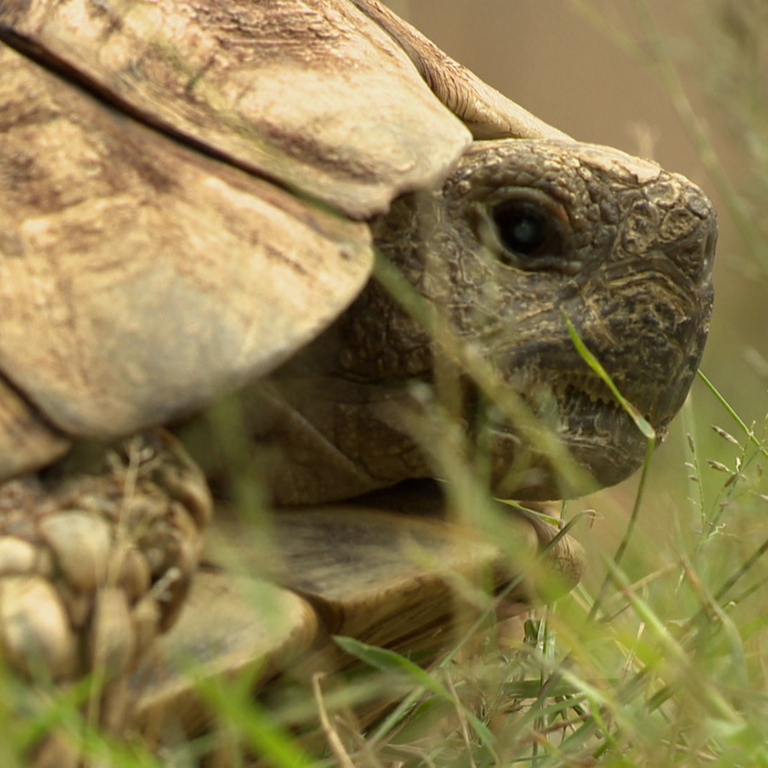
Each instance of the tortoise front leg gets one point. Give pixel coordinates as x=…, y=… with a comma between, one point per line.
x=93, y=567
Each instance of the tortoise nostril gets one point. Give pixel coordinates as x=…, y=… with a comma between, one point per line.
x=675, y=218
x=689, y=233
x=688, y=238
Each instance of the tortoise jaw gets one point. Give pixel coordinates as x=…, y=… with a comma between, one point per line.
x=595, y=430
x=601, y=435
x=571, y=401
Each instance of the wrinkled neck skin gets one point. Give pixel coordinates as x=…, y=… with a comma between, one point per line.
x=522, y=235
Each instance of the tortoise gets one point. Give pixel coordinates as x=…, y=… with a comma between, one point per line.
x=193, y=199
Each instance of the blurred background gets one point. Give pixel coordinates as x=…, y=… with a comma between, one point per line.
x=597, y=71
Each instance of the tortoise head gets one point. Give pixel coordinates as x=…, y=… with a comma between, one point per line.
x=527, y=236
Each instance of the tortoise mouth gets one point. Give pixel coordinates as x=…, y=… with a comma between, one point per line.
x=597, y=443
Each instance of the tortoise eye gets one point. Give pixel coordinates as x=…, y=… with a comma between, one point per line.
x=525, y=230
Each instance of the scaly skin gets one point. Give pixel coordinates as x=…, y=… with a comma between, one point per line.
x=620, y=247
x=93, y=567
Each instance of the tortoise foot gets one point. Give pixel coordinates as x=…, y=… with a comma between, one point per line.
x=93, y=568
